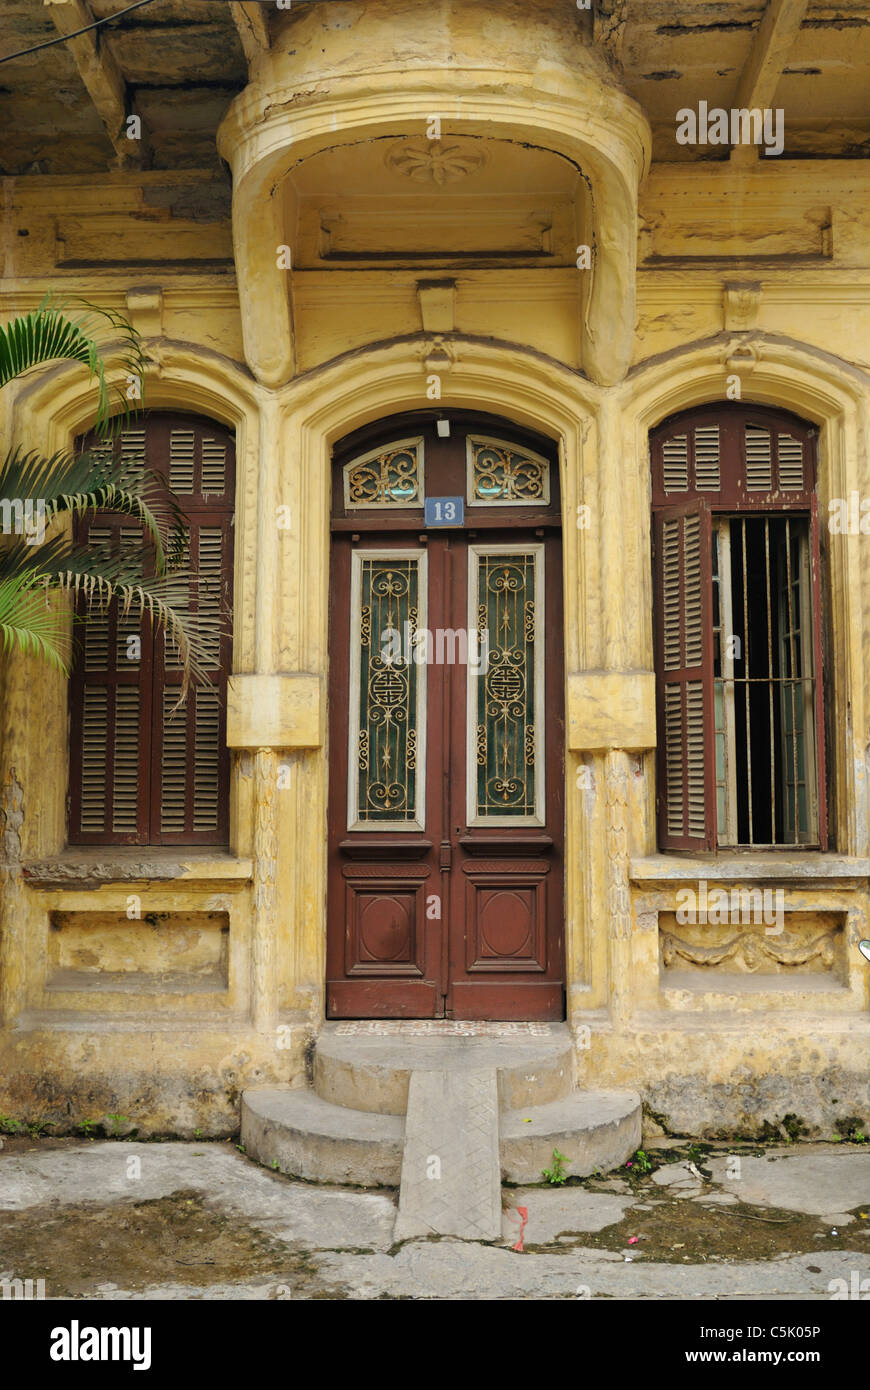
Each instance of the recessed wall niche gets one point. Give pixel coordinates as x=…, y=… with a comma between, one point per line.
x=456, y=201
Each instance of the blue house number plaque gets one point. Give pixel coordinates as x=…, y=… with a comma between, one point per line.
x=444, y=511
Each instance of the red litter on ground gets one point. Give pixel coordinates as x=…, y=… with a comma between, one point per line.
x=524, y=1216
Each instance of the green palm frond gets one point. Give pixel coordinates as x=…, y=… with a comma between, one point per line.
x=30, y=624
x=100, y=576
x=96, y=480
x=91, y=481
x=49, y=334
x=194, y=636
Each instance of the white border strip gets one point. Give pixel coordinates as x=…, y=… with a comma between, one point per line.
x=539, y=819
x=353, y=722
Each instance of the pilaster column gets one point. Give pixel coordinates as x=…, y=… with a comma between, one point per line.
x=264, y=927
x=616, y=772
x=13, y=914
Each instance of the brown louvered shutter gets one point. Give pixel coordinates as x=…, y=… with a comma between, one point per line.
x=774, y=460
x=110, y=692
x=191, y=770
x=684, y=634
x=143, y=771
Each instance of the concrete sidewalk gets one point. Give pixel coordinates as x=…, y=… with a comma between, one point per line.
x=127, y=1220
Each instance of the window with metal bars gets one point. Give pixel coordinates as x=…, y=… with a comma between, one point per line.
x=142, y=771
x=741, y=749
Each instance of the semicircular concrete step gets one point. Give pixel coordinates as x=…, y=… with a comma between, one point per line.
x=371, y=1070
x=593, y=1129
x=307, y=1137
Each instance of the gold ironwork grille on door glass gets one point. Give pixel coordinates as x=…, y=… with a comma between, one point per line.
x=391, y=476
x=508, y=696
x=387, y=695
x=505, y=475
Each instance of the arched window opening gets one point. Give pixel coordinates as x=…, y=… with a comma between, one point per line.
x=141, y=771
x=738, y=630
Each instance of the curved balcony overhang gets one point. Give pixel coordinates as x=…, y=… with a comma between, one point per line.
x=340, y=75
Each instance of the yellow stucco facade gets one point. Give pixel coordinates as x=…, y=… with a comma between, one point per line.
x=702, y=275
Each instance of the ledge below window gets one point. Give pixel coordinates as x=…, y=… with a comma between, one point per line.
x=86, y=867
x=809, y=867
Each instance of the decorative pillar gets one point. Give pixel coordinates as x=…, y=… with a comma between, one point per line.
x=618, y=895
x=271, y=714
x=265, y=916
x=13, y=915
x=614, y=517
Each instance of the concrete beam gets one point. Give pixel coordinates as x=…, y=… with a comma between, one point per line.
x=768, y=56
x=253, y=27
x=102, y=77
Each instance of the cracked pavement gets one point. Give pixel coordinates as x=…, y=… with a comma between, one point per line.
x=116, y=1220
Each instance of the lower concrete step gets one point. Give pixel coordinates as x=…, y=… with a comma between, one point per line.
x=307, y=1137
x=593, y=1129
x=369, y=1069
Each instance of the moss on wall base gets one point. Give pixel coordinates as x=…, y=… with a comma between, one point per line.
x=149, y=1083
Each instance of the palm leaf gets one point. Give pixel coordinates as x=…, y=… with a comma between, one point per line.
x=193, y=635
x=100, y=576
x=49, y=334
x=92, y=481
x=30, y=624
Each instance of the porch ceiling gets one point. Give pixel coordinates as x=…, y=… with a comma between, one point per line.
x=179, y=63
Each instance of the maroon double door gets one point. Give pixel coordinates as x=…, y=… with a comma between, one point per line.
x=446, y=730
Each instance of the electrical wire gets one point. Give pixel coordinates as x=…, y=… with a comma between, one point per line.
x=97, y=24
x=62, y=38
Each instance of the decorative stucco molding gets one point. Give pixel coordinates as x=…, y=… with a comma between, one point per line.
x=437, y=299
x=265, y=923
x=741, y=303
x=616, y=831
x=434, y=161
x=752, y=949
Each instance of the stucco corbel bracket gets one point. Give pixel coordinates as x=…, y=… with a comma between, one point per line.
x=611, y=709
x=741, y=303
x=145, y=310
x=437, y=299
x=276, y=711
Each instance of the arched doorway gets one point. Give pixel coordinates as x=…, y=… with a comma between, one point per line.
x=446, y=732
